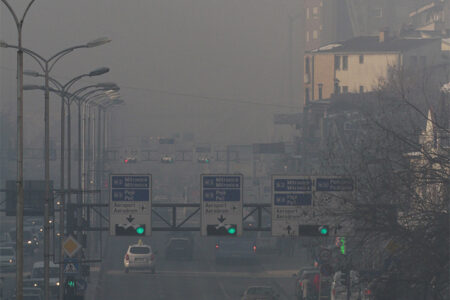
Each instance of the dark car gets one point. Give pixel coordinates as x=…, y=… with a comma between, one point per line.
x=179, y=248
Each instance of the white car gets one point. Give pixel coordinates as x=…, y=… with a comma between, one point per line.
x=139, y=256
x=7, y=258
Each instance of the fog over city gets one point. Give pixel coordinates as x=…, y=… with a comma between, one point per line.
x=224, y=149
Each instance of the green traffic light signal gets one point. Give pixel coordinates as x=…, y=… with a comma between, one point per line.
x=323, y=230
x=71, y=283
x=140, y=230
x=231, y=230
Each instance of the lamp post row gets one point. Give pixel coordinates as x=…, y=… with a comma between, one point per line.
x=46, y=66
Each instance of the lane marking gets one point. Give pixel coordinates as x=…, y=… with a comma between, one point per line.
x=263, y=274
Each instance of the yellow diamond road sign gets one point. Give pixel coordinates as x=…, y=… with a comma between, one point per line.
x=71, y=246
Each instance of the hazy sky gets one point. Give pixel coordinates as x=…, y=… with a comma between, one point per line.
x=182, y=65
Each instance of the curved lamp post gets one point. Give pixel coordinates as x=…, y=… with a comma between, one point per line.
x=20, y=193
x=61, y=89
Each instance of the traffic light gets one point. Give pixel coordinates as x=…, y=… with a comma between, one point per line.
x=167, y=159
x=70, y=286
x=135, y=230
x=225, y=230
x=203, y=160
x=313, y=230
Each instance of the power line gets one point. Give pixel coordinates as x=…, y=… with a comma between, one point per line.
x=196, y=96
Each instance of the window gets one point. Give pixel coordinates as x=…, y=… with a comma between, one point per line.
x=361, y=59
x=361, y=89
x=337, y=88
x=378, y=12
x=307, y=36
x=315, y=12
x=139, y=250
x=345, y=89
x=306, y=94
x=315, y=35
x=307, y=13
x=320, y=91
x=307, y=67
x=337, y=62
x=345, y=62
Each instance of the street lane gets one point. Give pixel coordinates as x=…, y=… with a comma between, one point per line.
x=197, y=279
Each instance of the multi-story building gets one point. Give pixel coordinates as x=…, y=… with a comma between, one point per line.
x=357, y=65
x=329, y=21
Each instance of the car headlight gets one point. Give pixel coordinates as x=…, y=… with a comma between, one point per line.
x=41, y=229
x=11, y=260
x=29, y=242
x=57, y=284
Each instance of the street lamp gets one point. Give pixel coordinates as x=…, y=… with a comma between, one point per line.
x=63, y=90
x=20, y=193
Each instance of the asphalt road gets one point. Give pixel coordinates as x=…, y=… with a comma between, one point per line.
x=197, y=279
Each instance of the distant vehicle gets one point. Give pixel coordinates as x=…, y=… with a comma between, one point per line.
x=260, y=293
x=167, y=159
x=139, y=256
x=130, y=160
x=305, y=281
x=37, y=274
x=179, y=248
x=7, y=258
x=266, y=243
x=339, y=286
x=236, y=249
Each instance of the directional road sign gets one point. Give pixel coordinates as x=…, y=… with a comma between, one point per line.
x=332, y=195
x=71, y=266
x=292, y=202
x=130, y=205
x=221, y=204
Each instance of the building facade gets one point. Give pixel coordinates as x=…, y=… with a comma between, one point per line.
x=359, y=64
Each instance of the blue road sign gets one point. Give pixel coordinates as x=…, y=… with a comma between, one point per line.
x=293, y=199
x=292, y=185
x=130, y=195
x=221, y=204
x=130, y=181
x=334, y=184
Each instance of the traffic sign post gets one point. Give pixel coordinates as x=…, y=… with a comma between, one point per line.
x=301, y=205
x=71, y=266
x=71, y=246
x=221, y=205
x=130, y=207
x=292, y=203
x=334, y=194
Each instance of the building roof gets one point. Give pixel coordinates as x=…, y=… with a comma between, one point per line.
x=372, y=44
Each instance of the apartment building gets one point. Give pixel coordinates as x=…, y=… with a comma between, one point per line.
x=357, y=65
